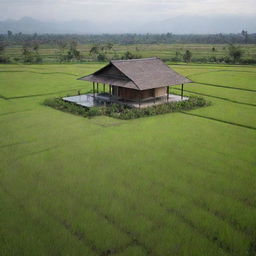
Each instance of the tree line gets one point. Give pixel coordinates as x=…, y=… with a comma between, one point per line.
x=126, y=39
x=67, y=50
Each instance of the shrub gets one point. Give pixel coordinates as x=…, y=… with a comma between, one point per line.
x=16, y=59
x=101, y=57
x=124, y=112
x=187, y=56
x=129, y=55
x=175, y=59
x=4, y=59
x=60, y=104
x=248, y=61
x=235, y=52
x=94, y=111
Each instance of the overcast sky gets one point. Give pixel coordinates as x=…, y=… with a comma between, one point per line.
x=121, y=10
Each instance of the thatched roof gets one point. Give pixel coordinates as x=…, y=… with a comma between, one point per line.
x=139, y=74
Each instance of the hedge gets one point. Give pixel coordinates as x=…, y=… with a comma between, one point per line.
x=124, y=112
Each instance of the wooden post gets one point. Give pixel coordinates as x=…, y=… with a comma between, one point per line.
x=110, y=90
x=182, y=91
x=167, y=91
x=97, y=87
x=93, y=89
x=139, y=99
x=154, y=96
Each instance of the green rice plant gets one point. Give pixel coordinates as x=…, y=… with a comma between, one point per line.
x=173, y=184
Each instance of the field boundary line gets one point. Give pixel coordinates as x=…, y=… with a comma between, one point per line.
x=200, y=231
x=202, y=205
x=15, y=144
x=67, y=226
x=41, y=73
x=220, y=70
x=11, y=113
x=3, y=97
x=38, y=95
x=226, y=87
x=218, y=97
x=219, y=120
x=183, y=219
x=214, y=239
x=130, y=234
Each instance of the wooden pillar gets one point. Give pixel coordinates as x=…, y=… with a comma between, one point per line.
x=103, y=87
x=167, y=91
x=139, y=99
x=182, y=91
x=93, y=88
x=110, y=90
x=97, y=87
x=154, y=96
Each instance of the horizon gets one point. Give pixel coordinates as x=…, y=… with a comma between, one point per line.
x=180, y=25
x=130, y=16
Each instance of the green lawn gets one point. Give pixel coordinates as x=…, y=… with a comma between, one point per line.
x=174, y=184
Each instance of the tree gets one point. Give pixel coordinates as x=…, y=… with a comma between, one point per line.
x=3, y=58
x=36, y=56
x=2, y=47
x=178, y=56
x=27, y=54
x=101, y=57
x=129, y=55
x=245, y=35
x=187, y=56
x=94, y=50
x=61, y=44
x=9, y=33
x=35, y=46
x=235, y=52
x=73, y=53
x=30, y=52
x=109, y=46
x=99, y=52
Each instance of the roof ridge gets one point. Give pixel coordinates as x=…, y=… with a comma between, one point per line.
x=141, y=59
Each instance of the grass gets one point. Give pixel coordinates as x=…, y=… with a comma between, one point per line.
x=172, y=184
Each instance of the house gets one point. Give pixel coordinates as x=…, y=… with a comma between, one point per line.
x=136, y=81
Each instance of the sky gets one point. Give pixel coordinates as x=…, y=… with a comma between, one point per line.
x=121, y=10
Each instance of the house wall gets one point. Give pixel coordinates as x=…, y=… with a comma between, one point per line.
x=131, y=94
x=160, y=91
x=125, y=93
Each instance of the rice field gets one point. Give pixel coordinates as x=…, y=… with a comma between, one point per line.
x=174, y=184
x=165, y=51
